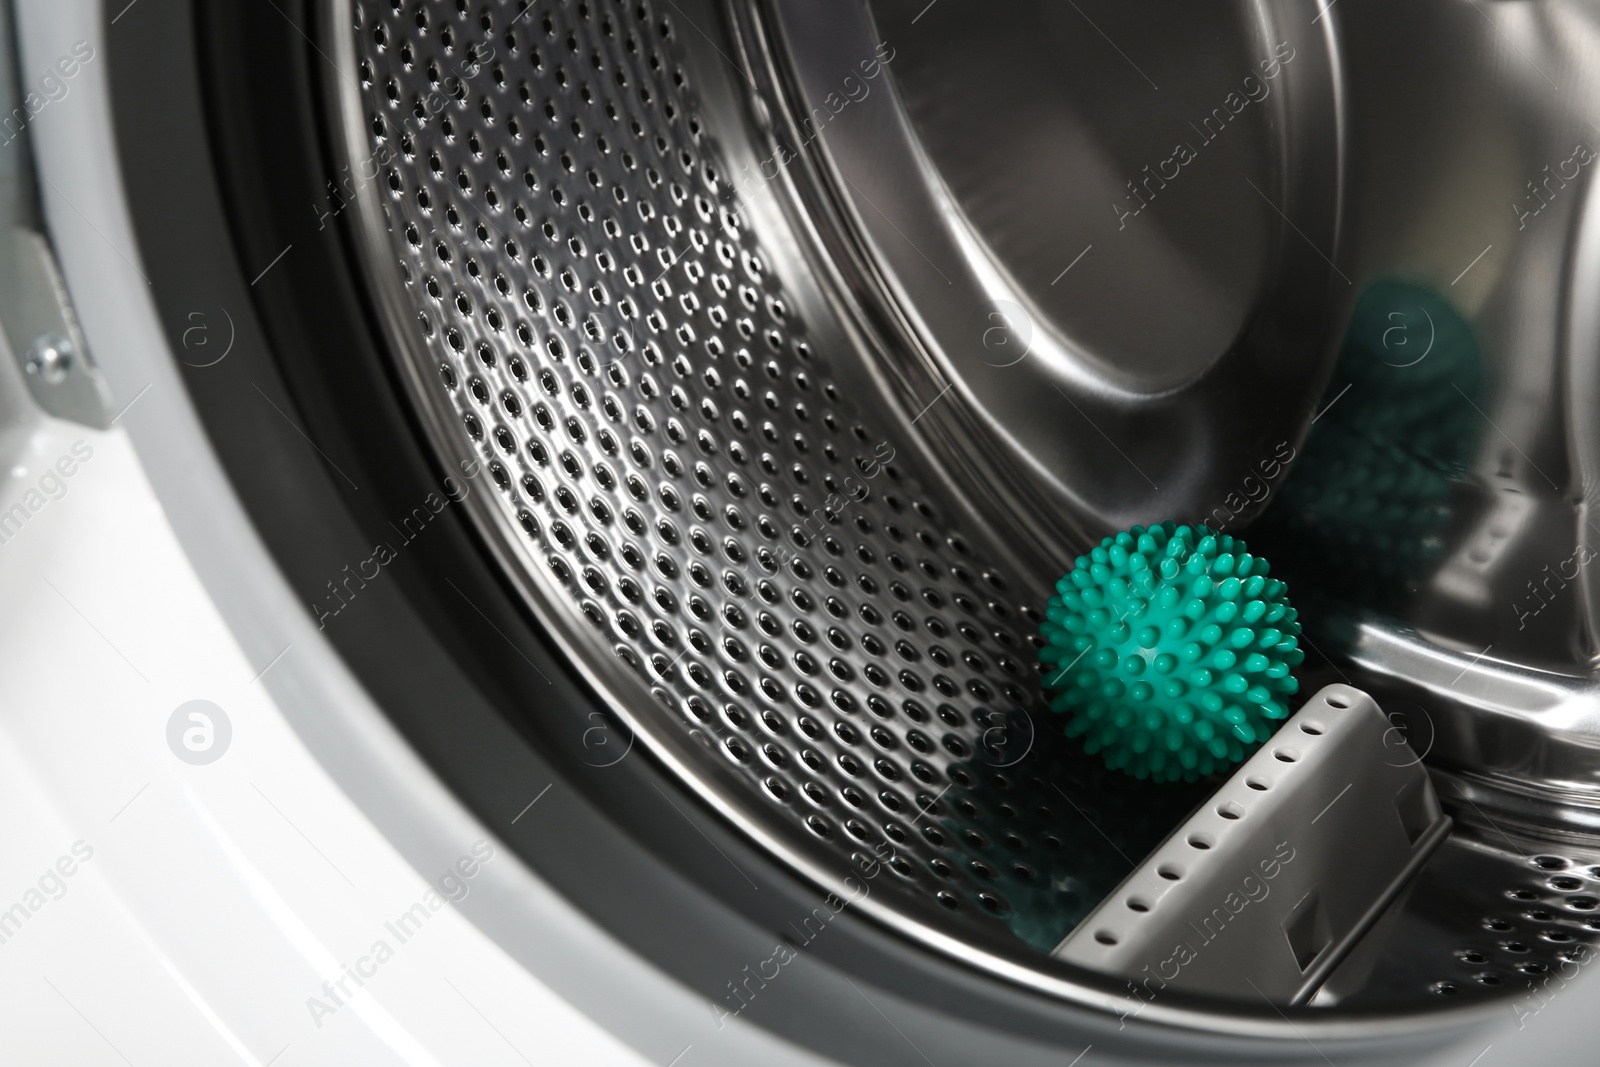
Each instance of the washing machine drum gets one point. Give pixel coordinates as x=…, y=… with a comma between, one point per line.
x=769, y=365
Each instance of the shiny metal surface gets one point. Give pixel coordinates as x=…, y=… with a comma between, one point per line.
x=1495, y=916
x=1118, y=290
x=1437, y=514
x=779, y=600
x=766, y=483
x=1471, y=368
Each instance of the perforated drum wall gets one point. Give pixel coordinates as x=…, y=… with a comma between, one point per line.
x=607, y=334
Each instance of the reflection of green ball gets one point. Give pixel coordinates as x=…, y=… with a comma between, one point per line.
x=1171, y=649
x=1362, y=513
x=1366, y=512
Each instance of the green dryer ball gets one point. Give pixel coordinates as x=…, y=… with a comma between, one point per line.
x=1171, y=650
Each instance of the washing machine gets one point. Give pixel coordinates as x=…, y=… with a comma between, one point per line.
x=534, y=531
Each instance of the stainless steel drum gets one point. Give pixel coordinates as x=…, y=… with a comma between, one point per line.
x=794, y=350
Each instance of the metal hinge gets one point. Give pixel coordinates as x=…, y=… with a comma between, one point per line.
x=35, y=312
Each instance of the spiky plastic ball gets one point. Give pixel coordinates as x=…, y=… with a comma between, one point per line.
x=1171, y=650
